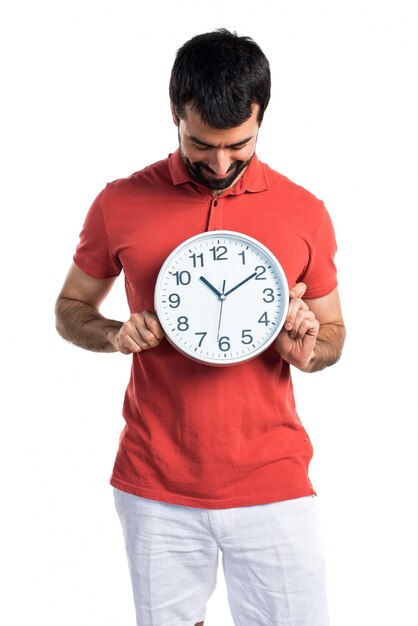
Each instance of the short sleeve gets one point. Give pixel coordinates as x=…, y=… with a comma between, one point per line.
x=93, y=254
x=320, y=275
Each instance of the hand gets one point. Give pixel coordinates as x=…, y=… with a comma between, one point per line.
x=212, y=288
x=296, y=341
x=221, y=309
x=241, y=283
x=141, y=332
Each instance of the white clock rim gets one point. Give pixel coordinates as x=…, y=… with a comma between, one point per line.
x=208, y=360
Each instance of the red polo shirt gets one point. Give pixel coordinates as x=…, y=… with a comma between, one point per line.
x=198, y=435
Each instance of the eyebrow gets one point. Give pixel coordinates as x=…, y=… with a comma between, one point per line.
x=208, y=145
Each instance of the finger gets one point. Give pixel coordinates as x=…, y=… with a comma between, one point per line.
x=304, y=323
x=126, y=344
x=154, y=325
x=298, y=290
x=133, y=338
x=140, y=332
x=295, y=305
x=309, y=328
x=132, y=330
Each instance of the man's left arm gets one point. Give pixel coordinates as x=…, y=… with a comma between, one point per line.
x=314, y=332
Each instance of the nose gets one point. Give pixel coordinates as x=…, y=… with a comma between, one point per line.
x=220, y=162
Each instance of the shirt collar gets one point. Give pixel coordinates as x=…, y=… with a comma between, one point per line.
x=254, y=178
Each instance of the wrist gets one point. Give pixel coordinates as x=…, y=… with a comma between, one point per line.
x=308, y=365
x=304, y=365
x=112, y=335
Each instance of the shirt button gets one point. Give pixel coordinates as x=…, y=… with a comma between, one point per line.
x=216, y=203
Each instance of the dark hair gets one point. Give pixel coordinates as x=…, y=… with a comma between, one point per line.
x=222, y=75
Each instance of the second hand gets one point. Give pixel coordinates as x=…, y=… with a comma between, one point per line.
x=220, y=310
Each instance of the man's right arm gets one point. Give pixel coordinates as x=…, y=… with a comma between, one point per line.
x=79, y=321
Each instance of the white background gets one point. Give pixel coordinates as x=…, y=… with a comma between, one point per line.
x=84, y=101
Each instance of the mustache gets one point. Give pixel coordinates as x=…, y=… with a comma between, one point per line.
x=203, y=166
x=205, y=175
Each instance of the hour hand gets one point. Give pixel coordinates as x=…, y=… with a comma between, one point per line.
x=212, y=288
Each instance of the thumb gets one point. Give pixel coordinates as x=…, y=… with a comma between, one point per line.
x=298, y=290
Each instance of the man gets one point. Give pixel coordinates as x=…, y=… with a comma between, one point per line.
x=212, y=457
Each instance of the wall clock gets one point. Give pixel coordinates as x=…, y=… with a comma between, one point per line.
x=221, y=297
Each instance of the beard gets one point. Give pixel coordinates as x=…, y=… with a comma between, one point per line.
x=202, y=173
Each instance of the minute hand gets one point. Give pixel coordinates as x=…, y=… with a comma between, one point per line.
x=241, y=283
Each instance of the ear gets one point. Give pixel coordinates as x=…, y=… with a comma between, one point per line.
x=174, y=114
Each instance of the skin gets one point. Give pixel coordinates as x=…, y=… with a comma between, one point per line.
x=214, y=155
x=314, y=333
x=311, y=339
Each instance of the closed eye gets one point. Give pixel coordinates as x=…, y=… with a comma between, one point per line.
x=239, y=147
x=235, y=148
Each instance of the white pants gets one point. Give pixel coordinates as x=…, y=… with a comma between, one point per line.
x=272, y=559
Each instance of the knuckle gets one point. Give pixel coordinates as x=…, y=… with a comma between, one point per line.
x=151, y=325
x=128, y=327
x=149, y=317
x=147, y=336
x=136, y=319
x=123, y=335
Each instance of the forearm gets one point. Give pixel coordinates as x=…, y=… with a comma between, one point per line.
x=328, y=347
x=84, y=326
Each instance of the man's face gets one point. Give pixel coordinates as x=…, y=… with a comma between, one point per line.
x=216, y=157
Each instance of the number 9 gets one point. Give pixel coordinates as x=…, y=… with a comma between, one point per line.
x=174, y=300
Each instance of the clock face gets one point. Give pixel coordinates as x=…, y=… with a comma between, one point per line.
x=221, y=297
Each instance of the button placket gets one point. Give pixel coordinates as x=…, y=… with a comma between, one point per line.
x=215, y=215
